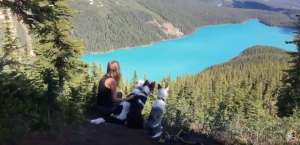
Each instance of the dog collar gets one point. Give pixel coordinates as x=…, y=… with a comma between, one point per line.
x=145, y=93
x=161, y=99
x=142, y=91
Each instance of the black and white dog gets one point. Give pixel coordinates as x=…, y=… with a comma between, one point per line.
x=135, y=119
x=120, y=112
x=153, y=123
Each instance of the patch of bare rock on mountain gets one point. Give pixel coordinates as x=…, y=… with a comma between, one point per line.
x=168, y=28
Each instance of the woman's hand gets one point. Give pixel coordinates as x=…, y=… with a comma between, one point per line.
x=130, y=97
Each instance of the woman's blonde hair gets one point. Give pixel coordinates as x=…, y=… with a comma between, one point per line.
x=114, y=70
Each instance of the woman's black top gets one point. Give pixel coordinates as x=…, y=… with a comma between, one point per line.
x=104, y=94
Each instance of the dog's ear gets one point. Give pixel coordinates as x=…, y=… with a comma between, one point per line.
x=159, y=86
x=140, y=82
x=146, y=83
x=152, y=86
x=167, y=87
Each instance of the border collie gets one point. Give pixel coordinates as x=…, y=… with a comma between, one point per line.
x=153, y=123
x=120, y=112
x=135, y=119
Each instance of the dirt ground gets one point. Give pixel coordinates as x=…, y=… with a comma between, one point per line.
x=106, y=134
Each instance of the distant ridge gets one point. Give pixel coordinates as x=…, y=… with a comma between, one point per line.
x=108, y=25
x=129, y=23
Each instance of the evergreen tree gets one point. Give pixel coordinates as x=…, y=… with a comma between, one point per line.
x=64, y=51
x=40, y=11
x=289, y=100
x=133, y=81
x=126, y=91
x=95, y=72
x=9, y=52
x=57, y=63
x=121, y=86
x=101, y=72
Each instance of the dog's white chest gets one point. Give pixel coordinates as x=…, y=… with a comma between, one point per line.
x=125, y=110
x=160, y=103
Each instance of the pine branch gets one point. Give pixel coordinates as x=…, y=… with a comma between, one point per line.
x=10, y=50
x=4, y=62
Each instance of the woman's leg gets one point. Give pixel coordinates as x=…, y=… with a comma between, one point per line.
x=104, y=112
x=107, y=111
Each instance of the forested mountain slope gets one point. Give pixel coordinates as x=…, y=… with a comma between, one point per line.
x=107, y=25
x=238, y=102
x=286, y=4
x=241, y=93
x=235, y=102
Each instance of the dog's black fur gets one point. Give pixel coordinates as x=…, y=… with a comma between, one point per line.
x=117, y=111
x=135, y=119
x=119, y=114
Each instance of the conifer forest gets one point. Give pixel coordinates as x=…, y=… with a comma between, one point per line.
x=251, y=99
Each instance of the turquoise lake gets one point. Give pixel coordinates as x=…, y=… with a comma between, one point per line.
x=206, y=47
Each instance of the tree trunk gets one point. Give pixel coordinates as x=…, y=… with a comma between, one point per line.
x=61, y=84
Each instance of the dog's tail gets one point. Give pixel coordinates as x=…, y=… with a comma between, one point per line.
x=97, y=121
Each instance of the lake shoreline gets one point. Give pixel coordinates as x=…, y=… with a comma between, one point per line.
x=196, y=53
x=170, y=39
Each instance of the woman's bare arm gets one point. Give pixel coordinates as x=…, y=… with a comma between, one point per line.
x=113, y=87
